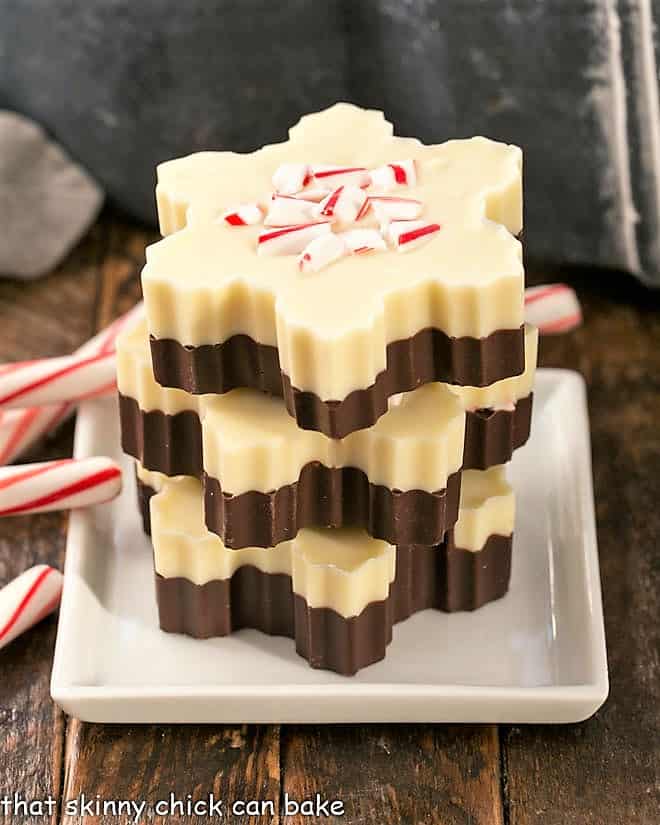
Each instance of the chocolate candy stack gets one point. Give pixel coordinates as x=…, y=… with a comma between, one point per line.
x=332, y=371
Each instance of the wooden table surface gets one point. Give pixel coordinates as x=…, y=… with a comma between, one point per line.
x=605, y=770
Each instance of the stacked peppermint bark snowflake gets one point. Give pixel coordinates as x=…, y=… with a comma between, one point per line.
x=332, y=372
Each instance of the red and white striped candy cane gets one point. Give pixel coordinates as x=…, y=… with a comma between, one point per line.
x=27, y=600
x=21, y=428
x=58, y=485
x=553, y=308
x=47, y=380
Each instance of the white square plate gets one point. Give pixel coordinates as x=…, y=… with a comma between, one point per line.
x=538, y=655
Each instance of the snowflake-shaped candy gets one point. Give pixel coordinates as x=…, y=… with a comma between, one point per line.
x=338, y=333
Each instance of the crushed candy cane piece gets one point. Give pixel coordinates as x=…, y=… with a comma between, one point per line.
x=344, y=204
x=321, y=252
x=341, y=175
x=291, y=239
x=284, y=210
x=406, y=235
x=389, y=208
x=246, y=214
x=313, y=193
x=391, y=175
x=363, y=241
x=290, y=178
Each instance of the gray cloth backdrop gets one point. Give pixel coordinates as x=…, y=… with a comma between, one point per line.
x=123, y=85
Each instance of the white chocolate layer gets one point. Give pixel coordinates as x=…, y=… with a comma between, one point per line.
x=152, y=478
x=250, y=442
x=205, y=283
x=341, y=569
x=487, y=508
x=135, y=376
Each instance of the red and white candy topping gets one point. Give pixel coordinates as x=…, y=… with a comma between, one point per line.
x=309, y=198
x=391, y=175
x=389, y=208
x=321, y=252
x=245, y=215
x=290, y=240
x=290, y=178
x=310, y=193
x=58, y=485
x=27, y=600
x=363, y=241
x=553, y=308
x=285, y=210
x=344, y=204
x=335, y=176
x=407, y=235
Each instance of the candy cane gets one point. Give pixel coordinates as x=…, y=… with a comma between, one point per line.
x=71, y=377
x=27, y=600
x=337, y=176
x=58, y=485
x=246, y=214
x=362, y=241
x=20, y=429
x=553, y=308
x=321, y=252
x=292, y=239
x=407, y=235
x=345, y=204
x=290, y=178
x=391, y=175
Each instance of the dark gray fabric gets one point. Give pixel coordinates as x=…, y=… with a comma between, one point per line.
x=47, y=202
x=124, y=85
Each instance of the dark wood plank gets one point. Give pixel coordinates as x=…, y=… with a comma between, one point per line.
x=148, y=763
x=396, y=774
x=51, y=316
x=605, y=771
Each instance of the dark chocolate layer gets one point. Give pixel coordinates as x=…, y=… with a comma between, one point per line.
x=429, y=355
x=144, y=495
x=331, y=497
x=250, y=598
x=170, y=444
x=450, y=578
x=491, y=436
x=333, y=642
